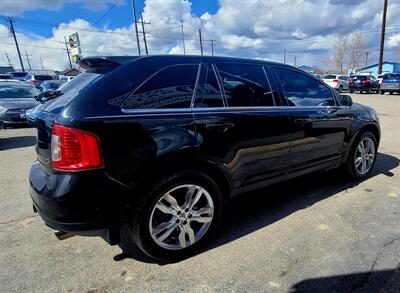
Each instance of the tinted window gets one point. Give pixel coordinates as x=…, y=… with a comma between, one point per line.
x=245, y=85
x=391, y=76
x=208, y=93
x=329, y=76
x=360, y=77
x=18, y=74
x=302, y=90
x=172, y=87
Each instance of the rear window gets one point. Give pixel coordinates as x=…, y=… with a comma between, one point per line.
x=18, y=74
x=329, y=76
x=4, y=76
x=71, y=89
x=360, y=78
x=43, y=77
x=391, y=76
x=15, y=92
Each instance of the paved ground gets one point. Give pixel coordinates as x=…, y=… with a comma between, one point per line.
x=312, y=233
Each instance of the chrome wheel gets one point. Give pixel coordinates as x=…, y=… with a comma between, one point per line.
x=364, y=156
x=181, y=217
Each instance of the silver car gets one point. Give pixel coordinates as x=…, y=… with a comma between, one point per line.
x=15, y=100
x=339, y=82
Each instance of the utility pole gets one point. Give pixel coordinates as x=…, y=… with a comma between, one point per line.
x=135, y=22
x=284, y=56
x=10, y=20
x=28, y=60
x=8, y=59
x=66, y=47
x=144, y=32
x=366, y=58
x=201, y=43
x=212, y=47
x=295, y=61
x=41, y=62
x=382, y=37
x=183, y=38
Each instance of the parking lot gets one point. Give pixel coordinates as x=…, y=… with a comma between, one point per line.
x=319, y=231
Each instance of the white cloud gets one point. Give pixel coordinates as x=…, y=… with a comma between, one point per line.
x=304, y=28
x=19, y=7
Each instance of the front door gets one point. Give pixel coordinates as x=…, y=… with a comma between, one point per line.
x=318, y=130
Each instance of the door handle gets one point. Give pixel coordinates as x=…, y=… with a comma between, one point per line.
x=302, y=121
x=220, y=126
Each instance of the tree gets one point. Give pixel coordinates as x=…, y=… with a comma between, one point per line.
x=340, y=50
x=357, y=51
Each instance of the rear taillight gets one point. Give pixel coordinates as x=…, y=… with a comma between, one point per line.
x=365, y=81
x=74, y=150
x=33, y=81
x=350, y=81
x=335, y=80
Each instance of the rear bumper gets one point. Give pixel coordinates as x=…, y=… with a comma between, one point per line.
x=81, y=203
x=390, y=87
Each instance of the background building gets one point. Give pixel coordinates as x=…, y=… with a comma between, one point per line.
x=387, y=67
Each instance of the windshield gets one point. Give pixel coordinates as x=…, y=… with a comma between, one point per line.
x=14, y=92
x=43, y=77
x=359, y=77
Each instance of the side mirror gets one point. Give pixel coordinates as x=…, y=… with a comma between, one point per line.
x=346, y=100
x=41, y=96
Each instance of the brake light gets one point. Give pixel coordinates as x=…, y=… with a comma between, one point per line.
x=350, y=81
x=33, y=81
x=335, y=80
x=365, y=81
x=74, y=149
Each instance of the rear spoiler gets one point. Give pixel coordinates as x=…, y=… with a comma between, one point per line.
x=104, y=63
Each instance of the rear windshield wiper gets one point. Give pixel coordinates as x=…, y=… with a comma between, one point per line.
x=48, y=95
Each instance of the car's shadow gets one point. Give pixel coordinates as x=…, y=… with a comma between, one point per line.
x=373, y=281
x=253, y=211
x=15, y=142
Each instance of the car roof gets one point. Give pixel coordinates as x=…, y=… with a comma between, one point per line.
x=120, y=60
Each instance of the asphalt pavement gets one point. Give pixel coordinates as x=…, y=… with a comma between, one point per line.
x=316, y=233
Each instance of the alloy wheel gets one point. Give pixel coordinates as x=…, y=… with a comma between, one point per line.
x=364, y=156
x=181, y=217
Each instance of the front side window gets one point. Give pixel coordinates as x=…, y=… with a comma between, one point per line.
x=171, y=87
x=245, y=85
x=208, y=93
x=302, y=90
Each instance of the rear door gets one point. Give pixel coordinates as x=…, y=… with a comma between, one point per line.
x=317, y=129
x=238, y=125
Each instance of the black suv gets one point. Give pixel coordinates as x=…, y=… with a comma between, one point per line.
x=363, y=83
x=162, y=142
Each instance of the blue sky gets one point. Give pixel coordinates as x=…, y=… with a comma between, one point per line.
x=119, y=16
x=305, y=29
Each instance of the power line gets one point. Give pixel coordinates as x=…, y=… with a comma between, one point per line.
x=105, y=14
x=135, y=22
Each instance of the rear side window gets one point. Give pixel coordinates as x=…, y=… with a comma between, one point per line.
x=302, y=90
x=245, y=85
x=43, y=77
x=208, y=93
x=329, y=76
x=171, y=87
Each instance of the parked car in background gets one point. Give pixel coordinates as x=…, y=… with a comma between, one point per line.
x=15, y=100
x=390, y=83
x=18, y=75
x=37, y=79
x=51, y=85
x=162, y=142
x=379, y=78
x=319, y=76
x=338, y=82
x=364, y=84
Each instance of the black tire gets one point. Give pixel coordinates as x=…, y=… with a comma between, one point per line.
x=390, y=93
x=350, y=163
x=140, y=224
x=340, y=89
x=351, y=91
x=382, y=92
